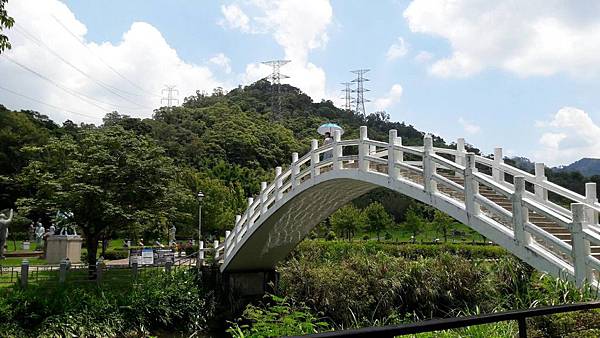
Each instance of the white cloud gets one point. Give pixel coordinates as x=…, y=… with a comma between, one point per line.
x=397, y=50
x=571, y=134
x=298, y=27
x=222, y=61
x=537, y=37
x=423, y=56
x=234, y=17
x=142, y=56
x=469, y=127
x=391, y=98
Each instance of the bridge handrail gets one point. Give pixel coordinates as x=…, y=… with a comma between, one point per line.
x=303, y=171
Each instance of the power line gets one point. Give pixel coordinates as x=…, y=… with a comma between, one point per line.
x=360, y=89
x=80, y=96
x=275, y=78
x=100, y=83
x=101, y=59
x=46, y=104
x=347, y=96
x=169, y=90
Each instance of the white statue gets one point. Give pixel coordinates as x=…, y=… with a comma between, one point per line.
x=4, y=222
x=172, y=232
x=39, y=235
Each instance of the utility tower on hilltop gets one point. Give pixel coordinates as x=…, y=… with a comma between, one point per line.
x=347, y=95
x=360, y=89
x=170, y=93
x=275, y=79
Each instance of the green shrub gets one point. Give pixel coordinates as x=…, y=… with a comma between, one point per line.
x=339, y=250
x=116, y=254
x=157, y=301
x=331, y=236
x=278, y=317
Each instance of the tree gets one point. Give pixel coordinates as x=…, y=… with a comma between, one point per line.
x=347, y=220
x=5, y=22
x=110, y=179
x=443, y=224
x=377, y=218
x=414, y=223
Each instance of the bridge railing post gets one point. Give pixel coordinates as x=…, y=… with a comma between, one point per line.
x=581, y=246
x=237, y=229
x=393, y=154
x=363, y=150
x=460, y=152
x=263, y=198
x=337, y=149
x=295, y=170
x=314, y=158
x=540, y=176
x=520, y=213
x=497, y=172
x=278, y=184
x=200, y=261
x=228, y=243
x=429, y=167
x=216, y=250
x=590, y=198
x=471, y=186
x=250, y=211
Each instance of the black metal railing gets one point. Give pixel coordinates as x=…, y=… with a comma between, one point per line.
x=454, y=323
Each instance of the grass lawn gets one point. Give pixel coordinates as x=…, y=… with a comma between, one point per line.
x=16, y=261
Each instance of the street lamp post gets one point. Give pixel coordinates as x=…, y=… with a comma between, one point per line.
x=200, y=197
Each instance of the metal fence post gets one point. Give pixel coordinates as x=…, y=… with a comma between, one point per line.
x=99, y=271
x=24, y=273
x=62, y=274
x=168, y=266
x=134, y=270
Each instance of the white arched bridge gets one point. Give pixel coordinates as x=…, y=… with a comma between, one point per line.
x=551, y=228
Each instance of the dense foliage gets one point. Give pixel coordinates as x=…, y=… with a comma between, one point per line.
x=356, y=285
x=156, y=301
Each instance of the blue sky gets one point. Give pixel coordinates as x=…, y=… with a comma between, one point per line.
x=521, y=76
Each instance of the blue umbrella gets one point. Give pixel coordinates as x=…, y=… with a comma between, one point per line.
x=329, y=128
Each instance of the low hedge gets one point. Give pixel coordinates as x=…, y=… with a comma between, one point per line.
x=336, y=250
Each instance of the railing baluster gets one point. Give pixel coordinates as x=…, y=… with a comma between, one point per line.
x=363, y=150
x=429, y=167
x=278, y=184
x=393, y=154
x=460, y=152
x=238, y=228
x=228, y=239
x=590, y=197
x=471, y=187
x=314, y=158
x=263, y=198
x=250, y=210
x=337, y=149
x=497, y=173
x=295, y=170
x=520, y=213
x=581, y=246
x=540, y=176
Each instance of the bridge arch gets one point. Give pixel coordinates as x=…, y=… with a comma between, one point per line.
x=485, y=194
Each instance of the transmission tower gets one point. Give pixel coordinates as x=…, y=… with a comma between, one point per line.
x=275, y=79
x=169, y=90
x=347, y=95
x=360, y=89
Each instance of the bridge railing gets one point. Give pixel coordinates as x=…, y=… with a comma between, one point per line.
x=477, y=184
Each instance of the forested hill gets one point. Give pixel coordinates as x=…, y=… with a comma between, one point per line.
x=224, y=144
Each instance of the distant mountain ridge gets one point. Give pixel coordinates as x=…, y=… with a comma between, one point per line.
x=586, y=166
